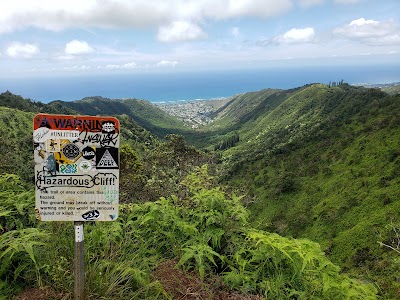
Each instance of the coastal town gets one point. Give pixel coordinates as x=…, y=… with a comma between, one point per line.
x=194, y=113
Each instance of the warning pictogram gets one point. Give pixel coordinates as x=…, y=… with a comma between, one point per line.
x=107, y=158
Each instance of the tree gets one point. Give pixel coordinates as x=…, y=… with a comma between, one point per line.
x=131, y=174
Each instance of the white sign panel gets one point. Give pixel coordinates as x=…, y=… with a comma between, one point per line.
x=76, y=167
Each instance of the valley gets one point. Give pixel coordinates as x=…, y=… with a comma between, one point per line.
x=306, y=179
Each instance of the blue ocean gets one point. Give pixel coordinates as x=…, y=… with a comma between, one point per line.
x=179, y=85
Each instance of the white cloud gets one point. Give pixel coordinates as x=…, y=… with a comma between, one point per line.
x=130, y=65
x=235, y=32
x=17, y=50
x=76, y=47
x=370, y=31
x=347, y=1
x=180, y=31
x=112, y=67
x=225, y=9
x=310, y=2
x=64, y=14
x=78, y=68
x=127, y=66
x=296, y=35
x=362, y=21
x=65, y=57
x=166, y=63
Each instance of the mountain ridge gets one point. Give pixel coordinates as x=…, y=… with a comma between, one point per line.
x=142, y=112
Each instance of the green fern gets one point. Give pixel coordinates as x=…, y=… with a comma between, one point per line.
x=197, y=256
x=18, y=245
x=293, y=267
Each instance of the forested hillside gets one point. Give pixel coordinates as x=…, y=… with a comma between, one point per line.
x=293, y=195
x=142, y=112
x=324, y=164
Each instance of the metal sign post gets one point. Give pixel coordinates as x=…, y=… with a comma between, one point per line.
x=79, y=265
x=76, y=174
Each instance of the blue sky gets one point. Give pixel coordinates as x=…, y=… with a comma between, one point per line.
x=50, y=37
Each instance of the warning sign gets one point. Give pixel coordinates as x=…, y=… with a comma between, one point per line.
x=76, y=167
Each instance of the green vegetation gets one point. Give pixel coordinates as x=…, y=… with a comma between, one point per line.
x=143, y=113
x=206, y=229
x=318, y=170
x=324, y=165
x=7, y=99
x=16, y=144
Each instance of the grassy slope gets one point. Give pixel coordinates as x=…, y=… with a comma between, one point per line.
x=325, y=165
x=239, y=115
x=243, y=107
x=299, y=118
x=16, y=142
x=142, y=112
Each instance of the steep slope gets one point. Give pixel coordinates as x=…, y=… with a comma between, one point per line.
x=142, y=112
x=8, y=99
x=324, y=164
x=16, y=143
x=244, y=107
x=239, y=114
x=299, y=117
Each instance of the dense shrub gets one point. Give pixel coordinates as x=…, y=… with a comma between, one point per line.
x=206, y=230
